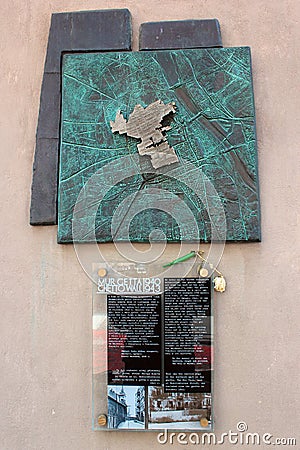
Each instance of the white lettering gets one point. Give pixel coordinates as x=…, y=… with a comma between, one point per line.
x=191, y=438
x=181, y=437
x=253, y=437
x=233, y=437
x=266, y=438
x=171, y=437
x=164, y=435
x=222, y=440
x=129, y=285
x=211, y=438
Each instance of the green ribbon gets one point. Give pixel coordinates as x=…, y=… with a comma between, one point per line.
x=183, y=258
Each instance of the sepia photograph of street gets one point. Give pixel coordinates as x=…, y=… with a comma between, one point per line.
x=178, y=410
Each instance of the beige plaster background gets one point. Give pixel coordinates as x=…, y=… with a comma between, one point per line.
x=45, y=363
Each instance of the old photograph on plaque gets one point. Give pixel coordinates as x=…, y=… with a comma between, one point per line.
x=177, y=410
x=126, y=407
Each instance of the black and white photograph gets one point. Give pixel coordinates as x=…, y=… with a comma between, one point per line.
x=126, y=407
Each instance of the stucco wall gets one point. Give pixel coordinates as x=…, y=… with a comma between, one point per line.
x=45, y=387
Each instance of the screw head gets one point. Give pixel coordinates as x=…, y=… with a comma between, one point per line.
x=203, y=272
x=204, y=422
x=102, y=272
x=102, y=420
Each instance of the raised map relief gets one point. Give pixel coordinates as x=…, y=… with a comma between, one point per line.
x=108, y=102
x=145, y=124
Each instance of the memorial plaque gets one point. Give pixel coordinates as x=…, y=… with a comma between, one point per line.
x=158, y=351
x=212, y=128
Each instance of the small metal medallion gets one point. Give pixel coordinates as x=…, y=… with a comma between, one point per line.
x=219, y=284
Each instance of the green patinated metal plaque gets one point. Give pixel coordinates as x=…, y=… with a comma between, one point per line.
x=213, y=128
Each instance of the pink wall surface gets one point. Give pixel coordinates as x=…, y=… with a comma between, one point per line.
x=46, y=333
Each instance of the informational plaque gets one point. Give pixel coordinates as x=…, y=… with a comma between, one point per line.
x=134, y=339
x=187, y=335
x=153, y=353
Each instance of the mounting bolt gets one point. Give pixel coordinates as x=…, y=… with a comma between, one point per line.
x=203, y=272
x=204, y=422
x=102, y=272
x=102, y=420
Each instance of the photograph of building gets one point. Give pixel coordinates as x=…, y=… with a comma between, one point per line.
x=126, y=407
x=178, y=410
x=140, y=404
x=117, y=407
